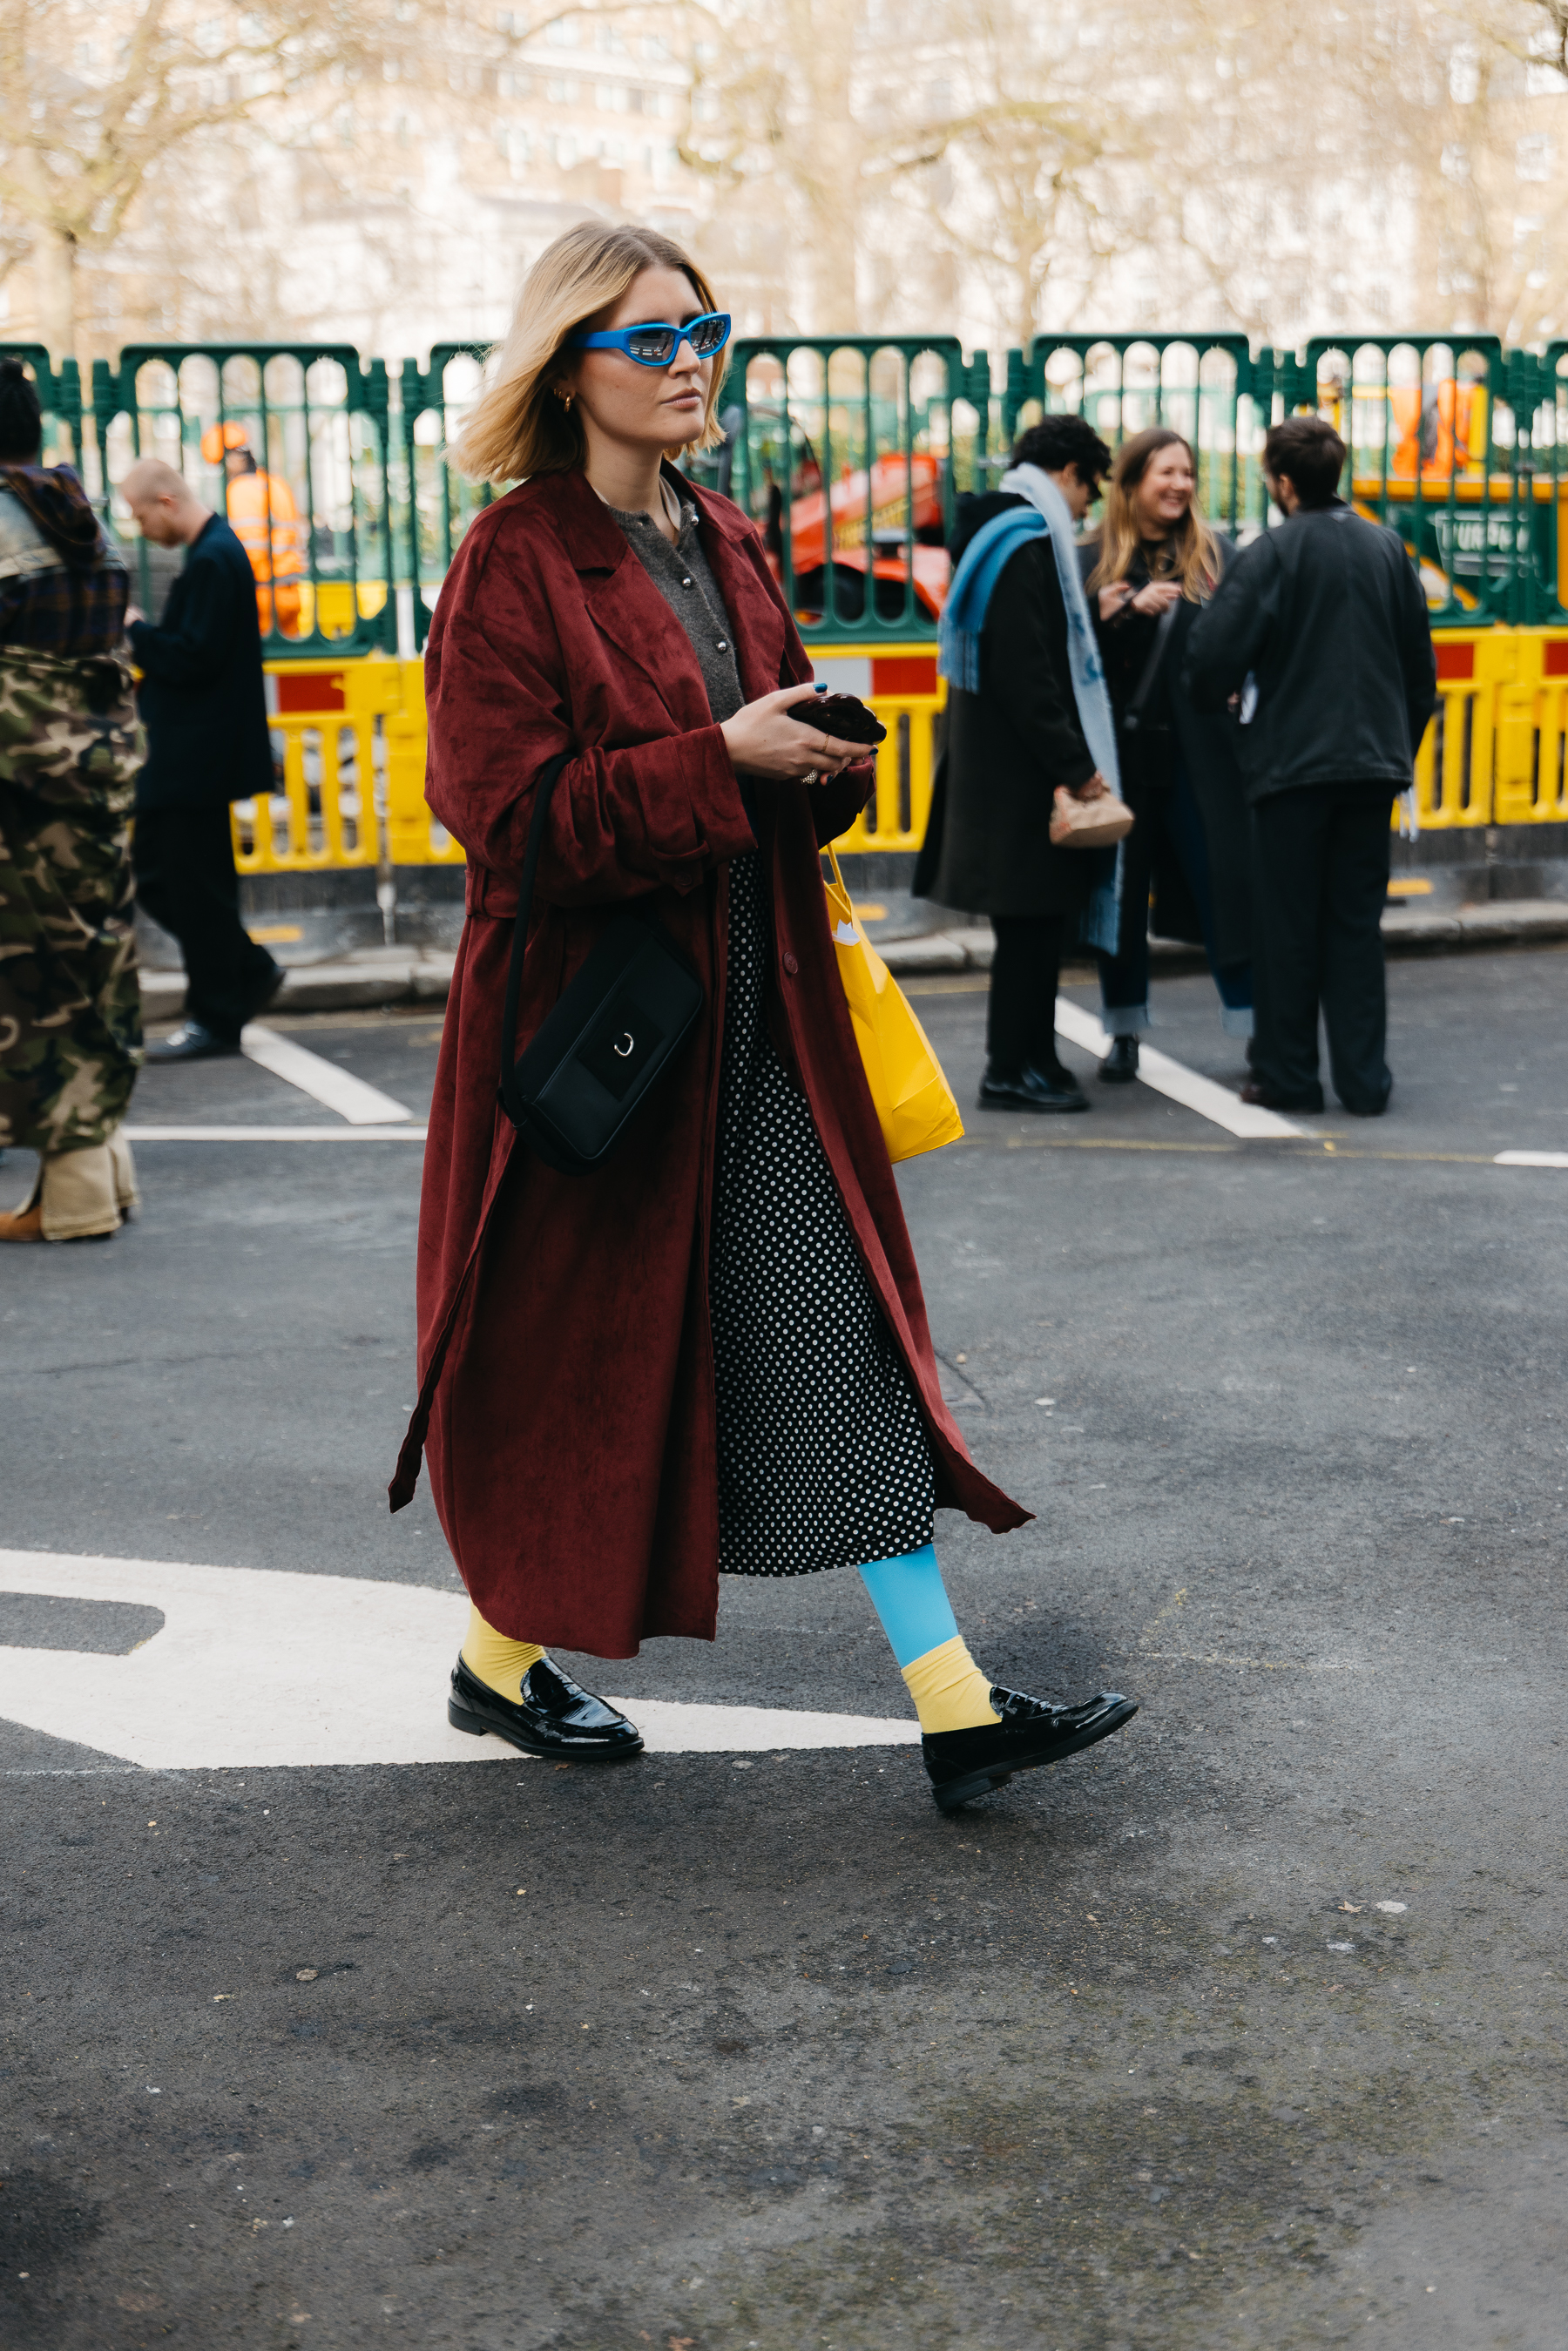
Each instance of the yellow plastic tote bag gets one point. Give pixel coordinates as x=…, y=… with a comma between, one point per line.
x=913, y=1099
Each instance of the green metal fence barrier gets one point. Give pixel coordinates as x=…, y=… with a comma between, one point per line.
x=849, y=452
x=60, y=397
x=434, y=504
x=1420, y=417
x=317, y=520
x=842, y=449
x=1548, y=413
x=1206, y=387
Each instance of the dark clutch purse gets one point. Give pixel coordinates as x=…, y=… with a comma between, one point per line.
x=604, y=1047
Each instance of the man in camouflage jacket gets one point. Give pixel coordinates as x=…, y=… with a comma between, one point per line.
x=70, y=1014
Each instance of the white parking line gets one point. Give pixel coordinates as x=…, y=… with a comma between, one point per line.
x=275, y=1134
x=1174, y=1079
x=1530, y=1159
x=350, y=1097
x=256, y=1668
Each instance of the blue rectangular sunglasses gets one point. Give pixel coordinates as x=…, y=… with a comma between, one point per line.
x=655, y=343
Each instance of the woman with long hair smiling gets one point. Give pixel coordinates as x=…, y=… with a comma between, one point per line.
x=1154, y=566
x=710, y=1355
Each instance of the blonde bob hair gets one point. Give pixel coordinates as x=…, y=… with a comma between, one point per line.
x=516, y=426
x=1190, y=554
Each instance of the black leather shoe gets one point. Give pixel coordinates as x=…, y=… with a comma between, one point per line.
x=1031, y=1090
x=262, y=997
x=555, y=1717
x=964, y=1764
x=1368, y=1109
x=1266, y=1097
x=191, y=1042
x=1120, y=1066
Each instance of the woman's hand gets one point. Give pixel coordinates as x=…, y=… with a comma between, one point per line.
x=1096, y=789
x=764, y=740
x=1152, y=601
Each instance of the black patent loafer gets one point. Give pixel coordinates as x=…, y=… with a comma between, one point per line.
x=964, y=1764
x=1120, y=1066
x=191, y=1042
x=556, y=1716
x=1030, y=1090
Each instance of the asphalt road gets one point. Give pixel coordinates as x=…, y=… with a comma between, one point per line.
x=1245, y=2029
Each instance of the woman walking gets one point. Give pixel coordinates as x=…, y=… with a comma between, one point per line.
x=711, y=1355
x=71, y=1005
x=1156, y=563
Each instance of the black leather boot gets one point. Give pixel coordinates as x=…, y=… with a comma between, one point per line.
x=1120, y=1066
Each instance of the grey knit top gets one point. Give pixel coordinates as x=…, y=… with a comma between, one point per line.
x=683, y=578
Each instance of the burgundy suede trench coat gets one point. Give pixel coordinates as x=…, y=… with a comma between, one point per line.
x=564, y=1348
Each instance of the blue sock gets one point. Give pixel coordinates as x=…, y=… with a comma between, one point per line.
x=911, y=1599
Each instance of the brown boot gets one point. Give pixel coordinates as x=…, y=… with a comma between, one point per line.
x=26, y=1223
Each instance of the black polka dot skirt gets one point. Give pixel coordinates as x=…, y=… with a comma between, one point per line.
x=822, y=1459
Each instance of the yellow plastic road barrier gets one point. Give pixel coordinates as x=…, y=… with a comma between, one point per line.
x=326, y=717
x=901, y=683
x=352, y=740
x=1494, y=754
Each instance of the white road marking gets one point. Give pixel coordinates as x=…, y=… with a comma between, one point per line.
x=274, y=1133
x=1174, y=1079
x=259, y=1668
x=361, y=1104
x=1530, y=1159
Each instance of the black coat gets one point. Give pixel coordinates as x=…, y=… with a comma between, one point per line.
x=1207, y=743
x=203, y=697
x=988, y=846
x=1328, y=615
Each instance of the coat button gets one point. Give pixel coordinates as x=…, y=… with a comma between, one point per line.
x=724, y=644
x=790, y=964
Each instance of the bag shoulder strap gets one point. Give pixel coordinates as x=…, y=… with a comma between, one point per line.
x=1132, y=717
x=544, y=785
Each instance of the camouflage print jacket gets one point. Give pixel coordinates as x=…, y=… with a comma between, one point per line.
x=70, y=1010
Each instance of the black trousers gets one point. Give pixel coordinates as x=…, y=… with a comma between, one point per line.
x=1320, y=877
x=1020, y=1016
x=185, y=879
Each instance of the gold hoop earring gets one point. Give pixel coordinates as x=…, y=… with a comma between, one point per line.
x=565, y=399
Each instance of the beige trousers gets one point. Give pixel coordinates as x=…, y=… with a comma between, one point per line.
x=83, y=1193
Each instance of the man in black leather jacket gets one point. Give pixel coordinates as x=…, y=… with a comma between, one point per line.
x=1321, y=627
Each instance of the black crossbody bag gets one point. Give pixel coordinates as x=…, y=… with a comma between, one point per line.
x=604, y=1047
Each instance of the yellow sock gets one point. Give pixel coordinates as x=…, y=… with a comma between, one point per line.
x=492, y=1659
x=949, y=1690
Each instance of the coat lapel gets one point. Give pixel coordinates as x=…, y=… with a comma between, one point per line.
x=629, y=610
x=622, y=602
